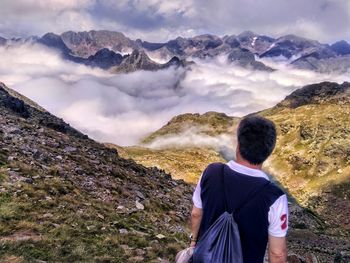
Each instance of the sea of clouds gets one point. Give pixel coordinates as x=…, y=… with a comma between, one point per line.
x=124, y=108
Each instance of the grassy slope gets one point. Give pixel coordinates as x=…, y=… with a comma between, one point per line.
x=312, y=157
x=185, y=163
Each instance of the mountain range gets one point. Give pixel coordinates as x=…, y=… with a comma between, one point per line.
x=108, y=49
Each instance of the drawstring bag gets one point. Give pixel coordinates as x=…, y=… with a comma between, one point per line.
x=221, y=243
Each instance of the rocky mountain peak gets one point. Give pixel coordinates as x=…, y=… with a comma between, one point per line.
x=175, y=61
x=245, y=58
x=138, y=55
x=291, y=46
x=206, y=41
x=321, y=93
x=2, y=41
x=256, y=44
x=85, y=44
x=232, y=41
x=137, y=60
x=247, y=34
x=105, y=59
x=295, y=39
x=54, y=41
x=341, y=47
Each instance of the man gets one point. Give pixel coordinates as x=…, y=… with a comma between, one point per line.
x=264, y=218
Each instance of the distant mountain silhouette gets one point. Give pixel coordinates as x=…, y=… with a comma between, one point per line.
x=341, y=47
x=242, y=50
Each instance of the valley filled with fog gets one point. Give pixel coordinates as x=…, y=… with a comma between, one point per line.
x=123, y=108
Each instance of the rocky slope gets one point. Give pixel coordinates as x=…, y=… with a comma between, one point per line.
x=66, y=198
x=105, y=59
x=255, y=43
x=312, y=157
x=138, y=60
x=85, y=44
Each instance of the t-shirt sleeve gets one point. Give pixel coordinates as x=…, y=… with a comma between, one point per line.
x=278, y=217
x=197, y=200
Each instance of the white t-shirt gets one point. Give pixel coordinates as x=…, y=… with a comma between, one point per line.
x=278, y=213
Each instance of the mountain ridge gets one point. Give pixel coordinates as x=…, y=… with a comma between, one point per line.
x=243, y=49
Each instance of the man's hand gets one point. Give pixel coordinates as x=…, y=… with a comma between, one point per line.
x=277, y=249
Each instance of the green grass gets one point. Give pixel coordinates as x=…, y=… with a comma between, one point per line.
x=178, y=162
x=68, y=225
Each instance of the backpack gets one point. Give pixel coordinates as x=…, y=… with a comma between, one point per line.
x=221, y=243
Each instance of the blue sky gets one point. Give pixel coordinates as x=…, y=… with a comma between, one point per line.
x=156, y=20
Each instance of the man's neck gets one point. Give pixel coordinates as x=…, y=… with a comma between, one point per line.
x=241, y=161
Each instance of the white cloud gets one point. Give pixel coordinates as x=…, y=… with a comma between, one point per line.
x=37, y=17
x=124, y=108
x=31, y=7
x=192, y=136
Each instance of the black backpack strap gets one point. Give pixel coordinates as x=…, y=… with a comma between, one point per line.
x=247, y=200
x=222, y=175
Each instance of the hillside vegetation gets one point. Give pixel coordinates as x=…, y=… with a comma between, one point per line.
x=181, y=163
x=312, y=157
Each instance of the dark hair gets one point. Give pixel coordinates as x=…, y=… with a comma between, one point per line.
x=256, y=139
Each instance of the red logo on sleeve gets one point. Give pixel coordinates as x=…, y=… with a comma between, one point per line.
x=284, y=221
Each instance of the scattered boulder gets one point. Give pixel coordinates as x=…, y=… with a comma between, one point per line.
x=17, y=106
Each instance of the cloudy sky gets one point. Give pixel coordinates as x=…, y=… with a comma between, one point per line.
x=160, y=20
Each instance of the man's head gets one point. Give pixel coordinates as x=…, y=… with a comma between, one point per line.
x=256, y=139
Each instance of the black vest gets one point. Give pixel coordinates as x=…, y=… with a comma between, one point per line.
x=252, y=219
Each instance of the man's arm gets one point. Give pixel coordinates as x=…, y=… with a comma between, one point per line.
x=278, y=227
x=196, y=219
x=277, y=249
